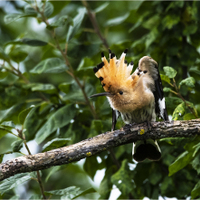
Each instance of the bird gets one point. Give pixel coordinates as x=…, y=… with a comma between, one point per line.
x=136, y=96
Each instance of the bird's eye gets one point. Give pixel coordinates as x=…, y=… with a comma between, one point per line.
x=145, y=72
x=120, y=92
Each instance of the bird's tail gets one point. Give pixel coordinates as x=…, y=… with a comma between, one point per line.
x=143, y=149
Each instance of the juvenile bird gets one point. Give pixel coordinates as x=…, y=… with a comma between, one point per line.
x=137, y=97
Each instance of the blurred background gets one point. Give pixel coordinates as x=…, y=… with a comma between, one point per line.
x=47, y=52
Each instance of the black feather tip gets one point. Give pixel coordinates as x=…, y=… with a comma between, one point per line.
x=125, y=51
x=125, y=61
x=112, y=55
x=95, y=69
x=102, y=54
x=99, y=66
x=109, y=51
x=131, y=63
x=101, y=78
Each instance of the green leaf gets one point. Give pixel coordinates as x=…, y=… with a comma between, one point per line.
x=4, y=131
x=47, y=88
x=62, y=21
x=6, y=114
x=183, y=160
x=18, y=55
x=190, y=29
x=76, y=24
x=196, y=191
x=14, y=181
x=55, y=143
x=192, y=106
x=179, y=111
x=87, y=191
x=33, y=42
x=196, y=161
x=22, y=115
x=155, y=175
x=117, y=20
x=1, y=157
x=85, y=64
x=15, y=16
x=190, y=81
x=170, y=20
x=60, y=118
x=165, y=78
x=166, y=89
x=48, y=9
x=8, y=124
x=195, y=70
x=101, y=7
x=6, y=127
x=188, y=116
x=3, y=55
x=17, y=145
x=28, y=9
x=65, y=87
x=167, y=185
x=70, y=192
x=170, y=72
x=90, y=166
x=73, y=96
x=32, y=123
x=53, y=170
x=50, y=65
x=122, y=178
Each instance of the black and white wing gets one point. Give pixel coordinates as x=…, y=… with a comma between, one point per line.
x=160, y=106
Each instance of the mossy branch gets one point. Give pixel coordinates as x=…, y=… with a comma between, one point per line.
x=97, y=144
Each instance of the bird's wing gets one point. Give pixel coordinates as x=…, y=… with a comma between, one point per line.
x=150, y=66
x=160, y=107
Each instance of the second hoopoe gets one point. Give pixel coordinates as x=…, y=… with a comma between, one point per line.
x=138, y=96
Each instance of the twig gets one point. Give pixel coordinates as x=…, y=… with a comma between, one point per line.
x=95, y=24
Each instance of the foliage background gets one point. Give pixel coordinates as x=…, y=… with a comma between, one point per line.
x=47, y=53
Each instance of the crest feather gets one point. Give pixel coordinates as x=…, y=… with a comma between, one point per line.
x=115, y=73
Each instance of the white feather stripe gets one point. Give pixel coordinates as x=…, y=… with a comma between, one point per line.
x=129, y=70
x=161, y=104
x=122, y=56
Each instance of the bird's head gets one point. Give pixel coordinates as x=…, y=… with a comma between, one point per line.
x=116, y=79
x=148, y=66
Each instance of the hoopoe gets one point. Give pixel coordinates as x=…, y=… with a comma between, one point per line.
x=138, y=96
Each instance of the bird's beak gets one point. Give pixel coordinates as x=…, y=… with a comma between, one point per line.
x=101, y=94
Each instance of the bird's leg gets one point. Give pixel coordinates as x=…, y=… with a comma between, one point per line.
x=149, y=125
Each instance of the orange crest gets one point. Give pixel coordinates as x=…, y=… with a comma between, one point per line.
x=115, y=74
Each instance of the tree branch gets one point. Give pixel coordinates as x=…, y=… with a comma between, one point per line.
x=97, y=144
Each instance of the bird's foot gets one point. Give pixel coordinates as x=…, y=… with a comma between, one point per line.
x=127, y=126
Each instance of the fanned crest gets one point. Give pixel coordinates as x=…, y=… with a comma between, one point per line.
x=115, y=73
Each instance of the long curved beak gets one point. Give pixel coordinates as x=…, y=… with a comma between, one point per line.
x=101, y=94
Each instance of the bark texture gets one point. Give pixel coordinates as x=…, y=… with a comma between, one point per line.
x=97, y=144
